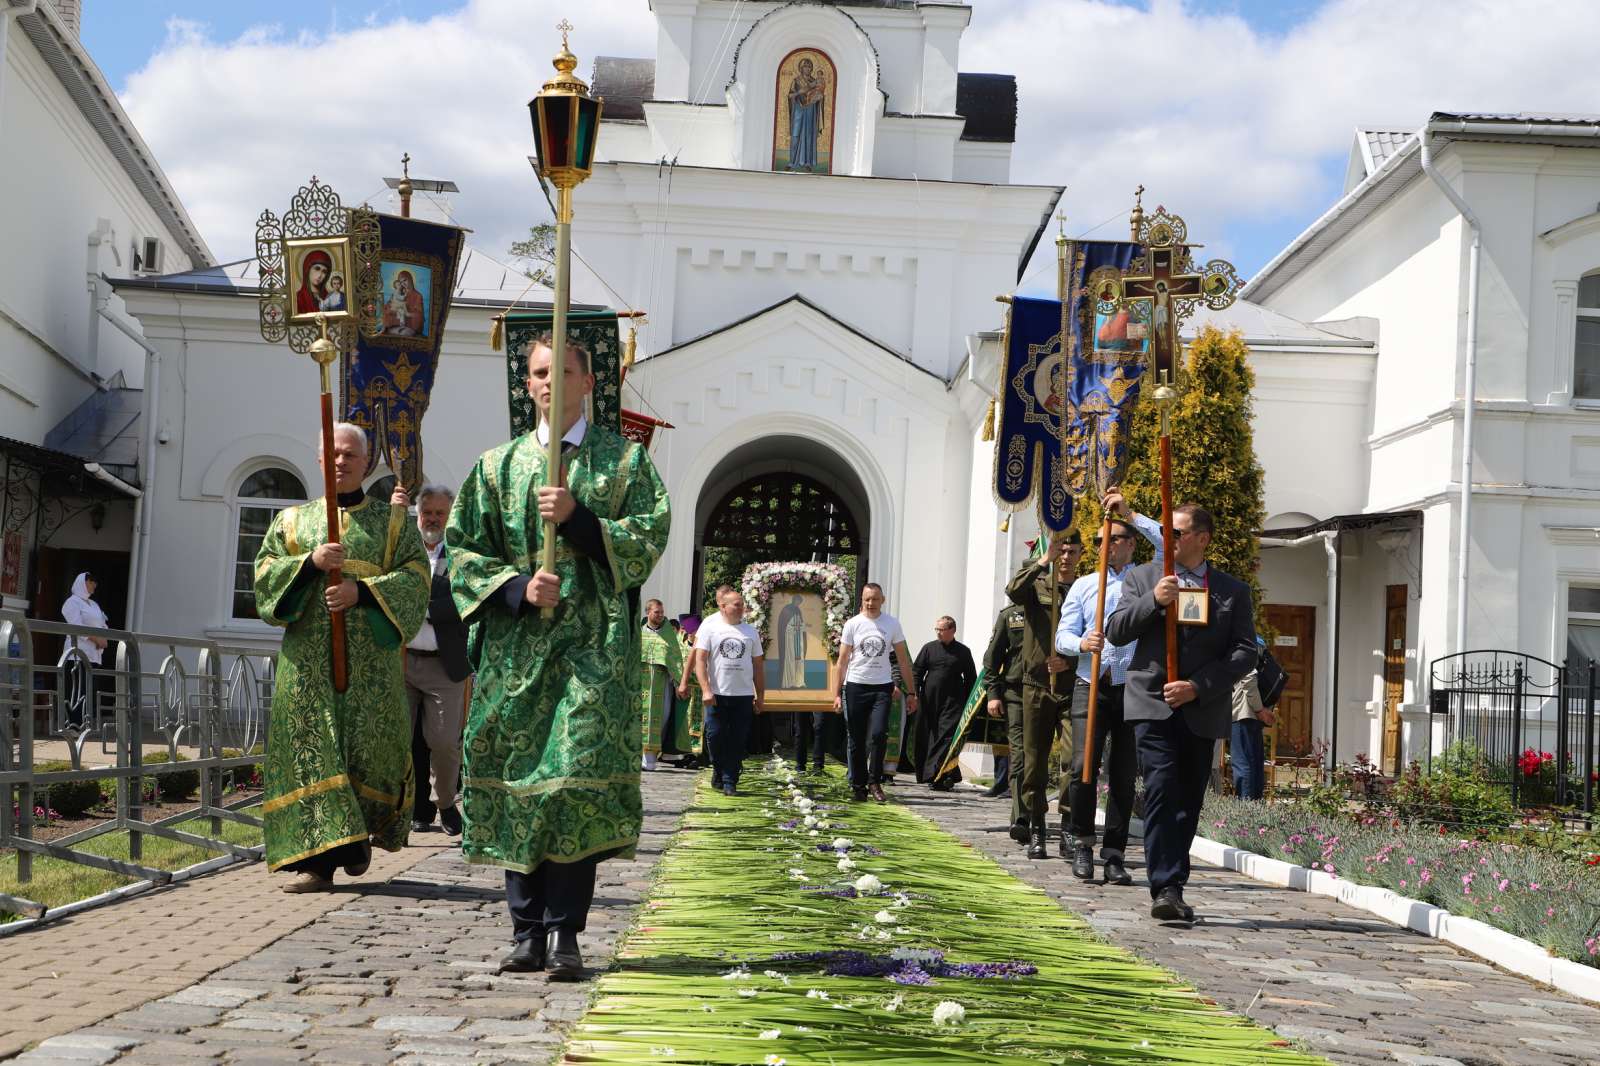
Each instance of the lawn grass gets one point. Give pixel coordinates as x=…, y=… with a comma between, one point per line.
x=57, y=882
x=756, y=947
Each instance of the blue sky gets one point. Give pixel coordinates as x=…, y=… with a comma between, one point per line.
x=1247, y=136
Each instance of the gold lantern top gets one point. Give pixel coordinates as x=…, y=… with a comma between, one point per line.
x=566, y=121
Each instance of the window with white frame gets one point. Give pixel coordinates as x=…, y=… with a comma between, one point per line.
x=1583, y=625
x=261, y=496
x=1586, y=344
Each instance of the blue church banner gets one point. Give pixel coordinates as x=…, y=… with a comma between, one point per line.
x=387, y=381
x=1061, y=419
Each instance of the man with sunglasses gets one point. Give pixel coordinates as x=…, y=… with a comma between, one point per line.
x=1178, y=720
x=1113, y=737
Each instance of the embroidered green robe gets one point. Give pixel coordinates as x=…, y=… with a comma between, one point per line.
x=338, y=766
x=552, y=742
x=694, y=719
x=661, y=658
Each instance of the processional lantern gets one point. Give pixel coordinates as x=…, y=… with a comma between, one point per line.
x=566, y=124
x=319, y=279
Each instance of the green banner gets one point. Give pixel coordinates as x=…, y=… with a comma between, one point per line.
x=597, y=331
x=975, y=701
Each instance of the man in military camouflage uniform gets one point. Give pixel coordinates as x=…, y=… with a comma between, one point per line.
x=1002, y=680
x=1038, y=589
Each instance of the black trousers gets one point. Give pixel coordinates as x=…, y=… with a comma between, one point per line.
x=1176, y=764
x=727, y=731
x=556, y=895
x=325, y=863
x=812, y=733
x=1114, y=750
x=422, y=806
x=866, y=724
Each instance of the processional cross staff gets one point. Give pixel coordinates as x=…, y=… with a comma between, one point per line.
x=1164, y=279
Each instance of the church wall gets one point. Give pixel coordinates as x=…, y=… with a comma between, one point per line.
x=1312, y=412
x=981, y=161
x=1405, y=267
x=61, y=180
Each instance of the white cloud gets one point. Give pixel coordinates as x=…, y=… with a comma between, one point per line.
x=1232, y=126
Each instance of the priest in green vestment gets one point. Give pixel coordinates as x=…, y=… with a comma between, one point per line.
x=338, y=768
x=552, y=749
x=661, y=681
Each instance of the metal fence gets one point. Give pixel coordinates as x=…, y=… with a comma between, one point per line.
x=1532, y=721
x=202, y=700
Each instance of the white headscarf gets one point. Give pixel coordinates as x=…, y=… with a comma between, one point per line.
x=80, y=610
x=80, y=586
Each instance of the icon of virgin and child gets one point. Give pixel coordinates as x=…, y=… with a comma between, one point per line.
x=321, y=286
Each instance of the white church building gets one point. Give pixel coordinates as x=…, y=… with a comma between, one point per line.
x=814, y=205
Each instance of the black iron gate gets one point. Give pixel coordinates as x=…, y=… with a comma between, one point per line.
x=1532, y=721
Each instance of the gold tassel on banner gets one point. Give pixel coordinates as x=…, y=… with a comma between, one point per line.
x=497, y=332
x=1005, y=524
x=630, y=347
x=988, y=423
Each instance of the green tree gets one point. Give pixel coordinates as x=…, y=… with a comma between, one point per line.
x=1213, y=458
x=538, y=254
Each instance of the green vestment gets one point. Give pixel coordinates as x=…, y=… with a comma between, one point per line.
x=552, y=743
x=338, y=767
x=662, y=659
x=693, y=718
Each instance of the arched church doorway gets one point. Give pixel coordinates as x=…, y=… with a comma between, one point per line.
x=778, y=499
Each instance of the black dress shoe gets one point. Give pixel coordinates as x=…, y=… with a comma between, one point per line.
x=1116, y=873
x=944, y=784
x=450, y=819
x=527, y=956
x=1063, y=842
x=1170, y=907
x=997, y=789
x=418, y=826
x=1083, y=863
x=1019, y=832
x=563, y=960
x=1036, y=848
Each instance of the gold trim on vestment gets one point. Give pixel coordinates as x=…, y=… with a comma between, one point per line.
x=318, y=850
x=539, y=788
x=364, y=789
x=361, y=568
x=397, y=522
x=316, y=788
x=614, y=845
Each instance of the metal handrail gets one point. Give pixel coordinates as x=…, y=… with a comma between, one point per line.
x=201, y=699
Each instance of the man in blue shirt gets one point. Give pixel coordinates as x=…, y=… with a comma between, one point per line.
x=1078, y=636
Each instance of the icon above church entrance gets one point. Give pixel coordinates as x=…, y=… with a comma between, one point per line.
x=803, y=127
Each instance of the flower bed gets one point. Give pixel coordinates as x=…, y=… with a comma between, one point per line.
x=1542, y=896
x=787, y=927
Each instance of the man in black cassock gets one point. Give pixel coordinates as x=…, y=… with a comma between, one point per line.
x=945, y=674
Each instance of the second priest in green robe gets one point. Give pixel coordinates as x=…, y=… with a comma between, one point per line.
x=552, y=747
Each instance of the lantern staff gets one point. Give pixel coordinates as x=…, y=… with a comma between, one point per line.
x=566, y=120
x=325, y=352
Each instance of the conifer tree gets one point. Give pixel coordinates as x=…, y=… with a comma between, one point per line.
x=1213, y=457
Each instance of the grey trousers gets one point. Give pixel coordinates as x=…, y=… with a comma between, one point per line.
x=431, y=694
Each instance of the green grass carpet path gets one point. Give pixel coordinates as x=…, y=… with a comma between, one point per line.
x=756, y=947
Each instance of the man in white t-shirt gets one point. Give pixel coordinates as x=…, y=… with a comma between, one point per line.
x=732, y=672
x=864, y=670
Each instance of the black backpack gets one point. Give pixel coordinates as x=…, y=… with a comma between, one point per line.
x=1270, y=679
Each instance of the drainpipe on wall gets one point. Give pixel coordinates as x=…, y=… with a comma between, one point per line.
x=1470, y=389
x=102, y=234
x=140, y=547
x=1330, y=544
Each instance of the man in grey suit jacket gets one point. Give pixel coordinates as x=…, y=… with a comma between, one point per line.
x=1177, y=722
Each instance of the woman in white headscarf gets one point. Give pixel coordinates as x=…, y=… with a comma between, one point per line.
x=81, y=610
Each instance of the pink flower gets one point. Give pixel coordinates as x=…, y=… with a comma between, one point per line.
x=1426, y=875
x=1533, y=886
x=1503, y=883
x=1411, y=860
x=1402, y=883
x=1466, y=880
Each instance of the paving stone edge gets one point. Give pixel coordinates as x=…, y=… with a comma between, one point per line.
x=1509, y=952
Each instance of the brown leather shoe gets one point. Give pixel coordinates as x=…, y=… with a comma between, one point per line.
x=877, y=793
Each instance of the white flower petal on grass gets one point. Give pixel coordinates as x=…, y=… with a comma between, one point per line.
x=776, y=1060
x=949, y=1012
x=816, y=993
x=883, y=934
x=797, y=874
x=812, y=833
x=771, y=1034
x=884, y=918
x=846, y=865
x=824, y=824
x=868, y=884
x=747, y=993
x=738, y=973
x=842, y=843
x=895, y=1004
x=809, y=822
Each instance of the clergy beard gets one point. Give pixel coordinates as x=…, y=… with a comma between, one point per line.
x=432, y=537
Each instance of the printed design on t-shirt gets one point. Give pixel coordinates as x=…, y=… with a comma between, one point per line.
x=731, y=648
x=873, y=647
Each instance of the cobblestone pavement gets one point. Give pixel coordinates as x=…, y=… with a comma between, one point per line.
x=403, y=971
x=1350, y=986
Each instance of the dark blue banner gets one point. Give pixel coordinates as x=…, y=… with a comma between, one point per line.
x=1062, y=414
x=387, y=381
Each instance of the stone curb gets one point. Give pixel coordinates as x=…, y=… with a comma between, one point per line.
x=1497, y=946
